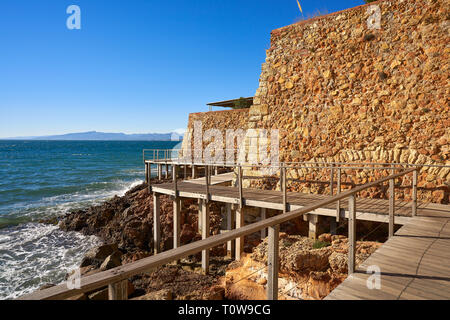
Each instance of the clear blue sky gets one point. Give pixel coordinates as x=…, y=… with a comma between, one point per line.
x=136, y=66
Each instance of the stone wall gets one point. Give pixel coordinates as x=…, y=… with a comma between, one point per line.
x=219, y=120
x=339, y=91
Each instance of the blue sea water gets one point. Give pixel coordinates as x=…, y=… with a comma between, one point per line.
x=45, y=179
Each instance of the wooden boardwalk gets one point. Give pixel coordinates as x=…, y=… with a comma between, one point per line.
x=367, y=209
x=414, y=264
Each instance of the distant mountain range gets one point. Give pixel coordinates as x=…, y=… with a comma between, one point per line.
x=94, y=135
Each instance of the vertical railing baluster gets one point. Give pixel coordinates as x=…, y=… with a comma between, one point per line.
x=284, y=187
x=176, y=212
x=156, y=224
x=351, y=234
x=331, y=180
x=414, y=194
x=391, y=206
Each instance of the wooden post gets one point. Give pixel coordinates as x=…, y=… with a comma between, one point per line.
x=205, y=234
x=414, y=194
x=146, y=172
x=156, y=224
x=174, y=177
x=391, y=207
x=239, y=241
x=185, y=172
x=159, y=171
x=351, y=233
x=176, y=223
x=167, y=171
x=263, y=212
x=312, y=231
x=333, y=226
x=272, y=263
x=231, y=245
x=216, y=172
x=338, y=207
x=118, y=290
x=193, y=171
x=149, y=177
x=200, y=204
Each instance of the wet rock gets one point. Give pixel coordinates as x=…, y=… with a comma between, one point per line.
x=100, y=253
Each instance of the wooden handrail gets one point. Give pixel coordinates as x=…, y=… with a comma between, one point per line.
x=322, y=165
x=102, y=279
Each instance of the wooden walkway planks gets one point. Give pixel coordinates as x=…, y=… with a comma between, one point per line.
x=367, y=209
x=215, y=179
x=414, y=264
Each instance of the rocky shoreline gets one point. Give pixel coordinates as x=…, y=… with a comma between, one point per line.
x=125, y=224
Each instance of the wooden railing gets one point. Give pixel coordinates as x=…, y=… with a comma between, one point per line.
x=115, y=278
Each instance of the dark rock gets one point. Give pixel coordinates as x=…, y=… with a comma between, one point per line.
x=369, y=37
x=112, y=261
x=86, y=262
x=100, y=253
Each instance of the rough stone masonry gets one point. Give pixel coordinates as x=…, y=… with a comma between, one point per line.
x=340, y=91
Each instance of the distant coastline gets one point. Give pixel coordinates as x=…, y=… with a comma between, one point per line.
x=104, y=136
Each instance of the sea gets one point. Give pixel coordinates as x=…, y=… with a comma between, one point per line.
x=45, y=179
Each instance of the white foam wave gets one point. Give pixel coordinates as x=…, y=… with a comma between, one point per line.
x=32, y=255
